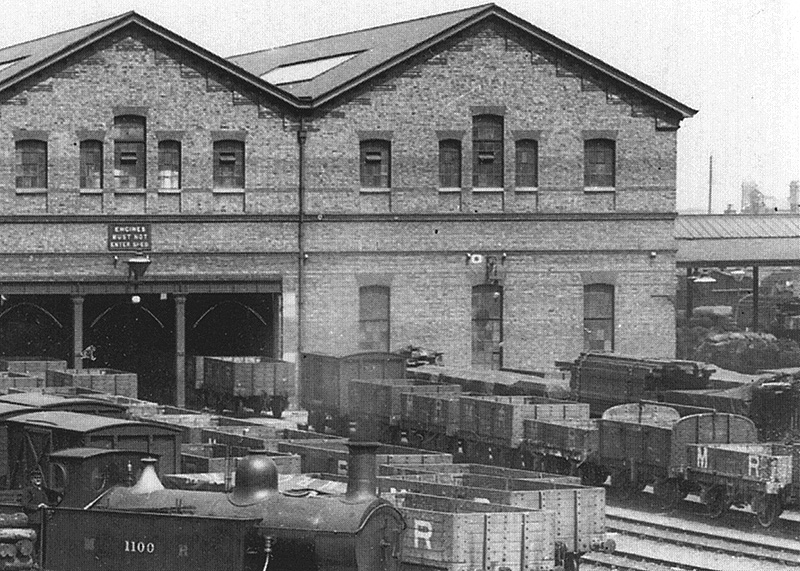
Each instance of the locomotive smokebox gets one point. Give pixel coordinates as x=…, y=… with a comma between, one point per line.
x=256, y=478
x=362, y=480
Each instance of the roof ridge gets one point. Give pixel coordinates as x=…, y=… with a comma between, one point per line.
x=360, y=30
x=67, y=31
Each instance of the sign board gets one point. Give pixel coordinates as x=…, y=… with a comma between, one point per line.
x=129, y=237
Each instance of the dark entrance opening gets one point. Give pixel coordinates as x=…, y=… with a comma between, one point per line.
x=134, y=334
x=36, y=326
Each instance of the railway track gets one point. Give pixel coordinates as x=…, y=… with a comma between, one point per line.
x=648, y=542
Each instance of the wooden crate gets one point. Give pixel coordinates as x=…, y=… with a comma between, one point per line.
x=10, y=380
x=109, y=381
x=454, y=534
x=201, y=464
x=579, y=511
x=32, y=365
x=500, y=419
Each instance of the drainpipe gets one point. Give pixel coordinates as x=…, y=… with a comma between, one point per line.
x=302, y=133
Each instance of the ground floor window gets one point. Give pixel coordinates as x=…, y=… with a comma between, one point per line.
x=487, y=326
x=598, y=317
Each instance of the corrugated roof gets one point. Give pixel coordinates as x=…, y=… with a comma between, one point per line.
x=42, y=400
x=31, y=57
x=88, y=452
x=380, y=48
x=8, y=410
x=772, y=239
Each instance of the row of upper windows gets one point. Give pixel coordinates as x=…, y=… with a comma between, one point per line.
x=129, y=160
x=487, y=160
x=375, y=160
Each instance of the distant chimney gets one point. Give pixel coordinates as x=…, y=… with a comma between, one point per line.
x=362, y=480
x=794, y=194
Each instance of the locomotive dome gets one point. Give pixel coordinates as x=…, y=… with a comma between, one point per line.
x=256, y=478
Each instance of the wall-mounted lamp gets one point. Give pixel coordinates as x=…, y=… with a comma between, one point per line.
x=653, y=254
x=116, y=261
x=137, y=266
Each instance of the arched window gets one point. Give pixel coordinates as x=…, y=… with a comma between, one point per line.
x=599, y=163
x=598, y=317
x=450, y=163
x=373, y=318
x=527, y=163
x=129, y=152
x=31, y=167
x=91, y=164
x=487, y=326
x=229, y=164
x=169, y=165
x=487, y=151
x=376, y=163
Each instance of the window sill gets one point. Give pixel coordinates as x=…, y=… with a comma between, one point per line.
x=449, y=189
x=526, y=189
x=91, y=191
x=130, y=190
x=375, y=190
x=599, y=189
x=31, y=191
x=227, y=191
x=488, y=189
x=169, y=191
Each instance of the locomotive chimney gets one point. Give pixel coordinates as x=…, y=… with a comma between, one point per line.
x=362, y=481
x=148, y=481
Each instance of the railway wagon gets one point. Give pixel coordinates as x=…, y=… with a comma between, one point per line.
x=579, y=511
x=324, y=390
x=754, y=474
x=508, y=383
x=32, y=436
x=604, y=379
x=85, y=405
x=258, y=383
x=647, y=444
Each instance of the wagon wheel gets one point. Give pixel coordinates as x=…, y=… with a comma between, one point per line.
x=767, y=507
x=716, y=501
x=668, y=493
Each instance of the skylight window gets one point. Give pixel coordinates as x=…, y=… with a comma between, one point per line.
x=304, y=70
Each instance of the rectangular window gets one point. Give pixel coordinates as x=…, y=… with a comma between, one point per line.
x=169, y=165
x=487, y=149
x=599, y=159
x=91, y=164
x=229, y=164
x=375, y=164
x=31, y=167
x=598, y=317
x=450, y=163
x=527, y=164
x=487, y=326
x=373, y=318
x=129, y=152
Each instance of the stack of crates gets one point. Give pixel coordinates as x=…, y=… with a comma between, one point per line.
x=109, y=381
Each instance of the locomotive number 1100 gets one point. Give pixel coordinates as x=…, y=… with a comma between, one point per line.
x=139, y=547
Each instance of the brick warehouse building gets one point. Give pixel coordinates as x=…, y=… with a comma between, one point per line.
x=465, y=182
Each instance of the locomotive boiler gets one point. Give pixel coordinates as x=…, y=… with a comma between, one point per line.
x=255, y=527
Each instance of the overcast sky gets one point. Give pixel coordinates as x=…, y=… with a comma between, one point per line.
x=737, y=61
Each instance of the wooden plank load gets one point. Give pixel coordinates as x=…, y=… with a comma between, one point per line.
x=480, y=381
x=579, y=511
x=449, y=534
x=470, y=474
x=109, y=381
x=331, y=456
x=500, y=419
x=605, y=379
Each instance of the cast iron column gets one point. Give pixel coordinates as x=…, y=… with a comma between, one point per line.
x=180, y=350
x=755, y=298
x=77, y=332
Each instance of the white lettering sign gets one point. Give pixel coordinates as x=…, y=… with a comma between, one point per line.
x=702, y=457
x=423, y=530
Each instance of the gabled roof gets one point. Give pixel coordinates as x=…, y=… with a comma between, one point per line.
x=375, y=50
x=21, y=61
